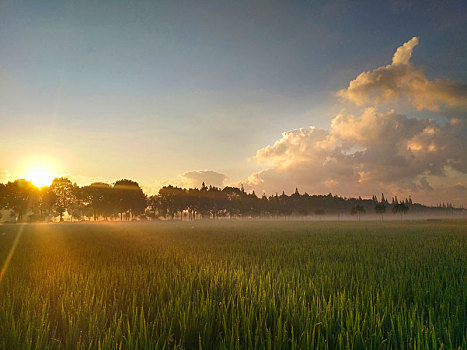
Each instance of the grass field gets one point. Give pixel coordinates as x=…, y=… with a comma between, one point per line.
x=235, y=285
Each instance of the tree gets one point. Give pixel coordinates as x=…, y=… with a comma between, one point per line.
x=172, y=200
x=357, y=210
x=380, y=208
x=384, y=200
x=98, y=197
x=129, y=198
x=47, y=202
x=77, y=206
x=400, y=208
x=284, y=207
x=2, y=196
x=64, y=193
x=252, y=203
x=204, y=202
x=19, y=196
x=126, y=200
x=192, y=204
x=319, y=212
x=233, y=198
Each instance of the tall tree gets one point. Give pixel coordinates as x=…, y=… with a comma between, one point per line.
x=64, y=193
x=2, y=195
x=233, y=197
x=19, y=196
x=380, y=208
x=47, y=202
x=357, y=210
x=77, y=206
x=99, y=197
x=130, y=198
x=2, y=198
x=400, y=208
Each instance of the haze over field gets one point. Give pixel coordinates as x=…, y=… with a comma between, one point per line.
x=328, y=96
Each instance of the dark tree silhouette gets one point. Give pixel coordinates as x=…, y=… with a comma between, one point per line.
x=233, y=199
x=47, y=204
x=380, y=208
x=64, y=193
x=172, y=201
x=19, y=197
x=129, y=199
x=2, y=197
x=400, y=208
x=77, y=207
x=358, y=210
x=126, y=200
x=99, y=199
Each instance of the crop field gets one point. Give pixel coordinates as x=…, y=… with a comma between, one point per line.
x=229, y=285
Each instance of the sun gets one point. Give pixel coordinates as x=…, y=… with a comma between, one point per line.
x=40, y=177
x=40, y=169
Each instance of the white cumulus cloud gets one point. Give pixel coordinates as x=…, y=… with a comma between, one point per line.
x=401, y=80
x=363, y=153
x=374, y=152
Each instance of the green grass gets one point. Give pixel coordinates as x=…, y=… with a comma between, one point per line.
x=235, y=285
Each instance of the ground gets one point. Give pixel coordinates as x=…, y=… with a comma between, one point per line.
x=234, y=284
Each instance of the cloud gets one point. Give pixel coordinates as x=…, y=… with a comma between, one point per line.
x=364, y=154
x=5, y=175
x=401, y=81
x=374, y=152
x=196, y=178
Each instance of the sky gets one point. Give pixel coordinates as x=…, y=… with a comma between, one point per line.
x=271, y=95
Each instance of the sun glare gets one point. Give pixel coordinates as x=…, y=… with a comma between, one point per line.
x=39, y=169
x=40, y=177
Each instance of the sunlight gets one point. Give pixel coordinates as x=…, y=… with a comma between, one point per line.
x=40, y=170
x=40, y=177
x=11, y=252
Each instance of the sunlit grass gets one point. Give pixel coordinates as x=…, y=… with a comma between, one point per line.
x=235, y=285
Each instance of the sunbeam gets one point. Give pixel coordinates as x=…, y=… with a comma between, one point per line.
x=11, y=252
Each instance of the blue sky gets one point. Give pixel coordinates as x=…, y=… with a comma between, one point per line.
x=149, y=90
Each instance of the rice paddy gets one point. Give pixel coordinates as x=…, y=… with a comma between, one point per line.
x=234, y=284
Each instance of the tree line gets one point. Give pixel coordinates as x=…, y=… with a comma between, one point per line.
x=124, y=200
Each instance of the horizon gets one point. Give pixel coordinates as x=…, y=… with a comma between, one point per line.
x=271, y=96
x=39, y=184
